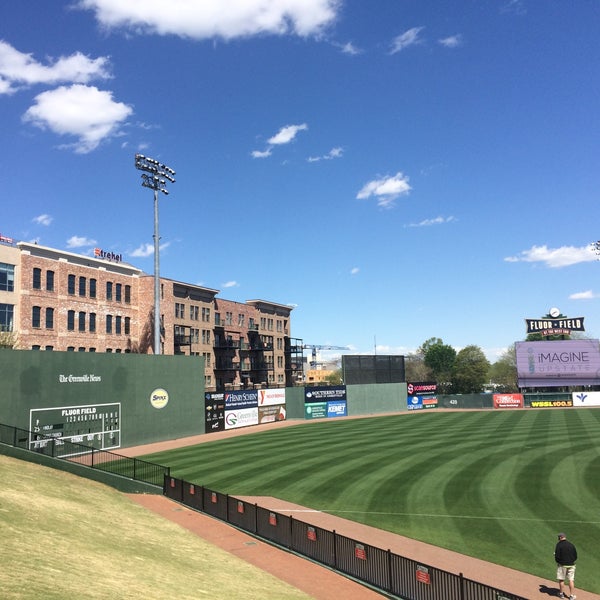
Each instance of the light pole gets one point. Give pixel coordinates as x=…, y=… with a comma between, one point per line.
x=156, y=180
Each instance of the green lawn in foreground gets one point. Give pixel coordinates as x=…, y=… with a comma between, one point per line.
x=497, y=485
x=64, y=537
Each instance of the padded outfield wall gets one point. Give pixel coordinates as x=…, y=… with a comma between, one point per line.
x=108, y=401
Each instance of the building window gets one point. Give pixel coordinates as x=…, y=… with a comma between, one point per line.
x=6, y=317
x=118, y=325
x=206, y=315
x=92, y=349
x=49, y=281
x=195, y=335
x=71, y=320
x=92, y=322
x=70, y=348
x=251, y=323
x=36, y=347
x=108, y=323
x=206, y=336
x=92, y=288
x=81, y=349
x=194, y=313
x=35, y=316
x=49, y=348
x=7, y=277
x=109, y=350
x=206, y=356
x=127, y=325
x=217, y=319
x=81, y=321
x=241, y=320
x=49, y=318
x=118, y=288
x=82, y=286
x=37, y=279
x=127, y=294
x=228, y=318
x=109, y=288
x=71, y=285
x=179, y=310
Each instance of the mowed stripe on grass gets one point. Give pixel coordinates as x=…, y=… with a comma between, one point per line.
x=497, y=485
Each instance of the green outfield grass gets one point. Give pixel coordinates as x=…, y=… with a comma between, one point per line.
x=497, y=485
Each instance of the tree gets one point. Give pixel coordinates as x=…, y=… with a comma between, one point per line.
x=503, y=373
x=415, y=368
x=440, y=357
x=470, y=371
x=8, y=339
x=334, y=378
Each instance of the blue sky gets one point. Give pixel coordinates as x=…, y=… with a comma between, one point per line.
x=397, y=170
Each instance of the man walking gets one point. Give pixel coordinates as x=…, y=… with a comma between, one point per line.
x=565, y=555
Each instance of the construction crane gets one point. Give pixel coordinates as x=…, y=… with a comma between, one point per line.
x=315, y=347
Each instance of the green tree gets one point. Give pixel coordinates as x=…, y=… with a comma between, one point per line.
x=415, y=368
x=8, y=339
x=470, y=371
x=503, y=373
x=440, y=357
x=334, y=378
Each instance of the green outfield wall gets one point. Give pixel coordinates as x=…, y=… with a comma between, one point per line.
x=104, y=400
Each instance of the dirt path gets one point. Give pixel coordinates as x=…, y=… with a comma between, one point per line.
x=322, y=583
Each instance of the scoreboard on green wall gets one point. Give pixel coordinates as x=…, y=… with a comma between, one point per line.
x=97, y=425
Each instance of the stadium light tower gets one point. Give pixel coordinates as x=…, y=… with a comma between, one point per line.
x=155, y=178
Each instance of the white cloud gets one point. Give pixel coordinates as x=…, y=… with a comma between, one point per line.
x=452, y=41
x=348, y=48
x=143, y=251
x=587, y=295
x=261, y=153
x=18, y=68
x=333, y=153
x=406, y=39
x=437, y=221
x=80, y=242
x=286, y=134
x=89, y=114
x=386, y=190
x=43, y=220
x=354, y=271
x=216, y=18
x=230, y=284
x=554, y=257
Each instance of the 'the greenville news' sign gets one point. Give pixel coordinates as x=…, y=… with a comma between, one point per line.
x=558, y=363
x=562, y=326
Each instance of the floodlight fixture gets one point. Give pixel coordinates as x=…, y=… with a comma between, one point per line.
x=156, y=180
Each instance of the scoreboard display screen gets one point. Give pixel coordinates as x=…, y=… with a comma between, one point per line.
x=95, y=425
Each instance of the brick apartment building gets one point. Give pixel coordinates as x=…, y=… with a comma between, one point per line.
x=56, y=300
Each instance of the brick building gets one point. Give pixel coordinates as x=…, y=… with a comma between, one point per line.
x=56, y=300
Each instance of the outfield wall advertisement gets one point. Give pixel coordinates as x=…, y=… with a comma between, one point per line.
x=586, y=398
x=509, y=401
x=243, y=408
x=558, y=363
x=325, y=402
x=421, y=394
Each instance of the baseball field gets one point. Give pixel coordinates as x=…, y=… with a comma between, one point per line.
x=497, y=485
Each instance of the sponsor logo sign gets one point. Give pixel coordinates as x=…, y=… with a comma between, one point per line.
x=586, y=398
x=416, y=388
x=558, y=363
x=99, y=253
x=562, y=326
x=550, y=403
x=270, y=414
x=271, y=397
x=241, y=399
x=315, y=410
x=422, y=574
x=243, y=417
x=337, y=409
x=414, y=402
x=159, y=398
x=508, y=401
x=323, y=393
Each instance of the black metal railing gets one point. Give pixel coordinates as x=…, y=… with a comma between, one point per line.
x=390, y=573
x=103, y=460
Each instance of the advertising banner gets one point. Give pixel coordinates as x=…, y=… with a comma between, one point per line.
x=550, y=403
x=214, y=412
x=315, y=410
x=270, y=414
x=508, y=401
x=430, y=402
x=586, y=398
x=337, y=409
x=414, y=402
x=241, y=399
x=558, y=363
x=417, y=388
x=324, y=393
x=243, y=417
x=271, y=397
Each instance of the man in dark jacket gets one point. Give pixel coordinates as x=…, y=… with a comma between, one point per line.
x=565, y=555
